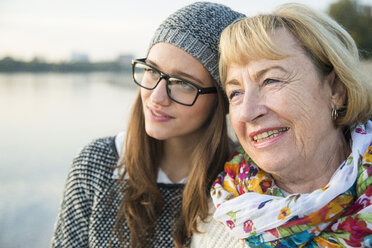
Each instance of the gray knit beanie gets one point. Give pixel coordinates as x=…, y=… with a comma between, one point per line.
x=196, y=29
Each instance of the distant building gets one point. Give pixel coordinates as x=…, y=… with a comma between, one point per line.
x=79, y=57
x=125, y=60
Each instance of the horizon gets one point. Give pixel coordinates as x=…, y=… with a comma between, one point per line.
x=56, y=30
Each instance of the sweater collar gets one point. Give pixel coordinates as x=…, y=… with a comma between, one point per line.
x=162, y=176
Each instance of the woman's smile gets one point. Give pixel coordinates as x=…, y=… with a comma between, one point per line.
x=268, y=136
x=158, y=115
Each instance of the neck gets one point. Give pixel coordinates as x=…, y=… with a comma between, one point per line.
x=319, y=169
x=177, y=159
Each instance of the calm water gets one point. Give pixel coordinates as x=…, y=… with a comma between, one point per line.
x=45, y=119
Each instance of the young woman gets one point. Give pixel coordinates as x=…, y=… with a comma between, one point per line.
x=176, y=144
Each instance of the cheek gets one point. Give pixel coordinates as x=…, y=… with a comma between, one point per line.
x=201, y=111
x=233, y=117
x=296, y=105
x=316, y=104
x=234, y=122
x=207, y=104
x=144, y=94
x=143, y=100
x=238, y=126
x=304, y=108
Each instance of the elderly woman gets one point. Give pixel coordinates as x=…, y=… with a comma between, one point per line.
x=300, y=108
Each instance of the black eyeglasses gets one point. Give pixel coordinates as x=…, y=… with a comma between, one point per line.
x=179, y=90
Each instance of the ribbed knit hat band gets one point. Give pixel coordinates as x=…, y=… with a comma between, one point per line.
x=196, y=29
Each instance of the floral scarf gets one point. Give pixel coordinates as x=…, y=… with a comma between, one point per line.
x=338, y=215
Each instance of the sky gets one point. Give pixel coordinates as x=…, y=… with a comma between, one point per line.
x=55, y=29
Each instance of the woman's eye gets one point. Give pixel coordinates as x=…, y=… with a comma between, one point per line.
x=233, y=94
x=180, y=86
x=270, y=81
x=149, y=70
x=179, y=83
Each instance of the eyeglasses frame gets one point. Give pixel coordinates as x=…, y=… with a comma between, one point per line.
x=166, y=77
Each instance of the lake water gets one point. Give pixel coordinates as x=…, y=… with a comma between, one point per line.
x=45, y=119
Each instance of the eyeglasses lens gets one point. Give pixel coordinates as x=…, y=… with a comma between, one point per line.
x=145, y=76
x=181, y=91
x=178, y=89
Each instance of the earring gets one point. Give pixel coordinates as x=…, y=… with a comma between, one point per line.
x=334, y=114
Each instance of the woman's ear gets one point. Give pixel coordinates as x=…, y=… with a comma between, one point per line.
x=338, y=90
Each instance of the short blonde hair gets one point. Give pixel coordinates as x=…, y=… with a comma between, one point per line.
x=328, y=45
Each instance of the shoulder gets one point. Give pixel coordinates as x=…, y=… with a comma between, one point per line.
x=95, y=163
x=214, y=234
x=99, y=149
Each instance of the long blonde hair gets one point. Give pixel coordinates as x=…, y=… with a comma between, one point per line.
x=142, y=202
x=328, y=45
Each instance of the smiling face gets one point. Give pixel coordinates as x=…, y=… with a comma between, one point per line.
x=164, y=118
x=280, y=110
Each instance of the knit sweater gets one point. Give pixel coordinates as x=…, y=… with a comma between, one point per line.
x=214, y=234
x=92, y=198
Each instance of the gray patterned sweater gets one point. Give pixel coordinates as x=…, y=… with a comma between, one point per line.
x=92, y=198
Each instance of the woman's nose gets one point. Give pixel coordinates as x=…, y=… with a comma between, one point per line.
x=159, y=94
x=252, y=107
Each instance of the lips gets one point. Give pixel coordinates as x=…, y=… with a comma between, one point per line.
x=159, y=115
x=268, y=134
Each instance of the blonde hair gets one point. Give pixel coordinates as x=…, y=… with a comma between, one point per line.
x=328, y=45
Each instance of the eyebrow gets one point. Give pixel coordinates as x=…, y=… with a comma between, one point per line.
x=232, y=82
x=261, y=73
x=183, y=74
x=177, y=72
x=256, y=76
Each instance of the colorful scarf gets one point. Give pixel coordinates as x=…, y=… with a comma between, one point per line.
x=338, y=215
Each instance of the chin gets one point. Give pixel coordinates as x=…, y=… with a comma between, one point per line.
x=156, y=135
x=269, y=166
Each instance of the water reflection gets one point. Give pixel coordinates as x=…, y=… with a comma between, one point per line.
x=45, y=120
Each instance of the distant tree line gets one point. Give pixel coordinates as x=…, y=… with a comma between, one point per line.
x=9, y=64
x=357, y=20
x=353, y=16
